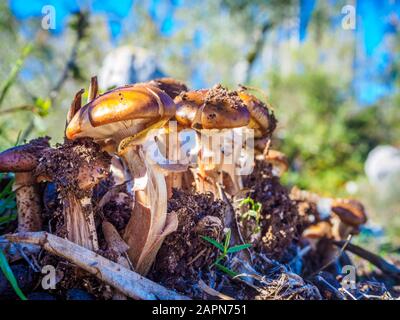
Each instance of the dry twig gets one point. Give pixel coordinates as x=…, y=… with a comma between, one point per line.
x=128, y=282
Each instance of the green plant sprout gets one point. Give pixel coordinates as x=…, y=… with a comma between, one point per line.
x=225, y=250
x=254, y=212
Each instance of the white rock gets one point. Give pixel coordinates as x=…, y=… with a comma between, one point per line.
x=126, y=65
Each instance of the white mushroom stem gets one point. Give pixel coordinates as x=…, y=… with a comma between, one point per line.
x=128, y=282
x=209, y=157
x=149, y=223
x=28, y=202
x=79, y=222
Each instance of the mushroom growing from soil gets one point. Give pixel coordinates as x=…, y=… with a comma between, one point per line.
x=262, y=120
x=122, y=118
x=23, y=160
x=209, y=112
x=348, y=216
x=76, y=167
x=278, y=160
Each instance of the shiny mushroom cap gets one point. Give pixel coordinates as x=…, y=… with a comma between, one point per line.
x=216, y=108
x=23, y=158
x=122, y=113
x=351, y=212
x=262, y=119
x=278, y=160
x=320, y=230
x=171, y=86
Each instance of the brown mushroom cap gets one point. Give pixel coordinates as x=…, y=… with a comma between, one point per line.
x=320, y=230
x=23, y=158
x=262, y=120
x=216, y=108
x=121, y=113
x=171, y=86
x=277, y=159
x=350, y=211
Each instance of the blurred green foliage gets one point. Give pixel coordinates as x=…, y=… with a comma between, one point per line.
x=325, y=135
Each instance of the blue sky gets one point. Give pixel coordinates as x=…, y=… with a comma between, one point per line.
x=375, y=22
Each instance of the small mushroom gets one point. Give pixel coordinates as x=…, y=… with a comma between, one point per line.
x=209, y=112
x=262, y=120
x=124, y=117
x=171, y=86
x=348, y=216
x=278, y=160
x=82, y=165
x=22, y=160
x=322, y=229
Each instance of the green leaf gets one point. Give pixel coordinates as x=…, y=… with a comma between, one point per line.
x=248, y=200
x=227, y=240
x=239, y=248
x=43, y=106
x=8, y=218
x=7, y=189
x=228, y=271
x=213, y=242
x=219, y=259
x=5, y=268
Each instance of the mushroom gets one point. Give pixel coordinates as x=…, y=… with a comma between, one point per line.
x=278, y=160
x=315, y=232
x=262, y=120
x=349, y=215
x=76, y=167
x=171, y=86
x=123, y=118
x=22, y=160
x=210, y=112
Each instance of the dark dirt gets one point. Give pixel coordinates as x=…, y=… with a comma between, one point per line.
x=69, y=277
x=118, y=210
x=25, y=277
x=184, y=255
x=218, y=94
x=63, y=165
x=280, y=222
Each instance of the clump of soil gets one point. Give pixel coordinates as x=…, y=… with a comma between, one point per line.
x=280, y=222
x=118, y=210
x=218, y=94
x=69, y=166
x=63, y=165
x=184, y=253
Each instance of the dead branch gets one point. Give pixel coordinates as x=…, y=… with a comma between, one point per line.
x=128, y=282
x=377, y=261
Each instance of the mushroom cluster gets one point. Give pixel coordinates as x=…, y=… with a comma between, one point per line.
x=135, y=144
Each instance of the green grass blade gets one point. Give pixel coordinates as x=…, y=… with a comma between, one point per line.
x=5, y=268
x=7, y=189
x=227, y=240
x=239, y=248
x=247, y=200
x=213, y=242
x=228, y=271
x=8, y=218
